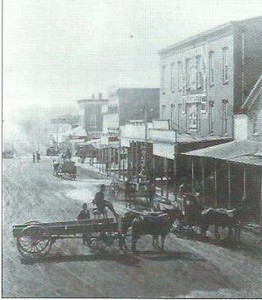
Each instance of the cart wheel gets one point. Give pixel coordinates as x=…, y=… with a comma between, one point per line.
x=94, y=242
x=34, y=241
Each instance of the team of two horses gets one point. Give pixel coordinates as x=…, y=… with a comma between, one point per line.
x=159, y=224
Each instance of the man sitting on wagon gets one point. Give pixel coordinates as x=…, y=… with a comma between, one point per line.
x=101, y=203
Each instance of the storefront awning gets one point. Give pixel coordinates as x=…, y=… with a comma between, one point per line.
x=244, y=152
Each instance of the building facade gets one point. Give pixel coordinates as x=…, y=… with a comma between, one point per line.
x=91, y=115
x=206, y=78
x=125, y=104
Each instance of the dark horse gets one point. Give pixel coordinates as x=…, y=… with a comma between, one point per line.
x=156, y=224
x=220, y=217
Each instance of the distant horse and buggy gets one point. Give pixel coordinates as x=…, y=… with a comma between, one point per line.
x=133, y=192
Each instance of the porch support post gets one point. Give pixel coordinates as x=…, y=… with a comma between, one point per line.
x=137, y=162
x=203, y=176
x=119, y=159
x=100, y=155
x=128, y=162
x=244, y=185
x=192, y=173
x=103, y=150
x=215, y=175
x=123, y=148
x=133, y=159
x=260, y=218
x=154, y=167
x=114, y=160
x=229, y=184
x=175, y=166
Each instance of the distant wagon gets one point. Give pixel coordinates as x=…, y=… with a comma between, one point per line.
x=67, y=169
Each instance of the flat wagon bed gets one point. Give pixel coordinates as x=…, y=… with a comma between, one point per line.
x=36, y=239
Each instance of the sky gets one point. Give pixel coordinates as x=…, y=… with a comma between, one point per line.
x=58, y=51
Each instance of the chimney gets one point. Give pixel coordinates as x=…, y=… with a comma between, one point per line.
x=93, y=96
x=100, y=96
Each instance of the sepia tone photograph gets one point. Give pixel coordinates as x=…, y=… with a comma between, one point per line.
x=131, y=149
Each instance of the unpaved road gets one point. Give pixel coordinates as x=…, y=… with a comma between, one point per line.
x=188, y=268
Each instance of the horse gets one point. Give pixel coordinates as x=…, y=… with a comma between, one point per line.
x=220, y=217
x=156, y=224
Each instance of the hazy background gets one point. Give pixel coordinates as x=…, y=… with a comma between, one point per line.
x=58, y=51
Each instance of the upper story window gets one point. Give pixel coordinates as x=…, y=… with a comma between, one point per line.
x=180, y=75
x=184, y=105
x=225, y=116
x=163, y=83
x=198, y=72
x=192, y=116
x=187, y=71
x=173, y=77
x=255, y=124
x=112, y=109
x=92, y=120
x=211, y=68
x=225, y=65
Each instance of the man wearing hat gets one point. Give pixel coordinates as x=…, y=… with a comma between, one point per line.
x=101, y=203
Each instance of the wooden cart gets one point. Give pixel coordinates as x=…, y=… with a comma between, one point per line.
x=67, y=169
x=35, y=239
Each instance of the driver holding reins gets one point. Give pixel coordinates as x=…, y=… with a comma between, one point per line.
x=101, y=203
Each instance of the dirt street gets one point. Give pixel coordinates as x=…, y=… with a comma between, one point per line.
x=188, y=268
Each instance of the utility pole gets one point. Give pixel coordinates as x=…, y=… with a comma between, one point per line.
x=119, y=154
x=175, y=166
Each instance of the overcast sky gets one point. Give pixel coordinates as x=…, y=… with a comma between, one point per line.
x=59, y=51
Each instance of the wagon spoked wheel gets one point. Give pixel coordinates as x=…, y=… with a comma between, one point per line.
x=34, y=241
x=93, y=241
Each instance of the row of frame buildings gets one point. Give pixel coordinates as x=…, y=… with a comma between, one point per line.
x=204, y=124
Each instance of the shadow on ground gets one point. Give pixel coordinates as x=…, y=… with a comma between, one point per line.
x=125, y=259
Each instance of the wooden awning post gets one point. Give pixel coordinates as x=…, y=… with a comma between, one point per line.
x=203, y=176
x=215, y=175
x=103, y=160
x=229, y=184
x=244, y=185
x=99, y=156
x=260, y=219
x=192, y=173
x=119, y=159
